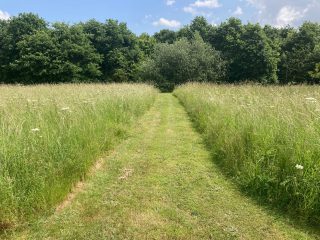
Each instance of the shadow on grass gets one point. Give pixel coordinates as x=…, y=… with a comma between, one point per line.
x=290, y=218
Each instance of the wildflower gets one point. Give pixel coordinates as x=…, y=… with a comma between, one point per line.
x=311, y=99
x=35, y=130
x=65, y=109
x=299, y=167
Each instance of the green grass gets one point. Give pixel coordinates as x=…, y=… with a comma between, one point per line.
x=160, y=183
x=51, y=135
x=266, y=138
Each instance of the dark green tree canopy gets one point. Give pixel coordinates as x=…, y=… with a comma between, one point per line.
x=166, y=36
x=62, y=53
x=118, y=46
x=300, y=54
x=34, y=51
x=11, y=32
x=250, y=54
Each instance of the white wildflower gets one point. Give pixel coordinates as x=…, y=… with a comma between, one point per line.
x=311, y=99
x=35, y=130
x=65, y=109
x=299, y=167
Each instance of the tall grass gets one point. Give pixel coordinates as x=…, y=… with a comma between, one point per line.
x=51, y=135
x=266, y=138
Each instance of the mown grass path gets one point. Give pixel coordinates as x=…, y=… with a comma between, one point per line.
x=161, y=184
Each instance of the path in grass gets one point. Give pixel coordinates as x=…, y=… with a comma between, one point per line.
x=161, y=184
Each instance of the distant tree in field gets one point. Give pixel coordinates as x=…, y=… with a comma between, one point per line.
x=316, y=73
x=37, y=59
x=199, y=24
x=11, y=32
x=261, y=56
x=182, y=61
x=81, y=60
x=278, y=35
x=4, y=51
x=146, y=44
x=300, y=53
x=118, y=46
x=165, y=36
x=250, y=54
x=60, y=54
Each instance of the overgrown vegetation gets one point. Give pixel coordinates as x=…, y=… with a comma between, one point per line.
x=266, y=138
x=51, y=135
x=33, y=51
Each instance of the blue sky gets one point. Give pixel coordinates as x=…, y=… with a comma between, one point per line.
x=152, y=15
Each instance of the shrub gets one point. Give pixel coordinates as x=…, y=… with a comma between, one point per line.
x=183, y=61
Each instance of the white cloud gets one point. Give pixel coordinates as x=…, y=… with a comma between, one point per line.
x=170, y=2
x=288, y=15
x=167, y=23
x=196, y=11
x=4, y=15
x=191, y=10
x=206, y=4
x=238, y=11
x=280, y=13
x=194, y=8
x=257, y=3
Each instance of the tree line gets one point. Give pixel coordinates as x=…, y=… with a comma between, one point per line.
x=33, y=51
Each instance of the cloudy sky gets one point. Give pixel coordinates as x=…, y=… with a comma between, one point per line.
x=152, y=15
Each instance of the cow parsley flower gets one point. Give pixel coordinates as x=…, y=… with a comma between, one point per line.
x=311, y=99
x=35, y=130
x=299, y=167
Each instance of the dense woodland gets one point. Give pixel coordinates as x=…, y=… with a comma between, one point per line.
x=34, y=51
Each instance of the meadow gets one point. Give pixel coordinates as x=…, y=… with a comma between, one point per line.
x=50, y=136
x=266, y=138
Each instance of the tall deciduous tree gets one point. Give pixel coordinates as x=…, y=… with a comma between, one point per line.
x=173, y=64
x=166, y=36
x=118, y=46
x=11, y=33
x=200, y=25
x=60, y=54
x=251, y=55
x=300, y=53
